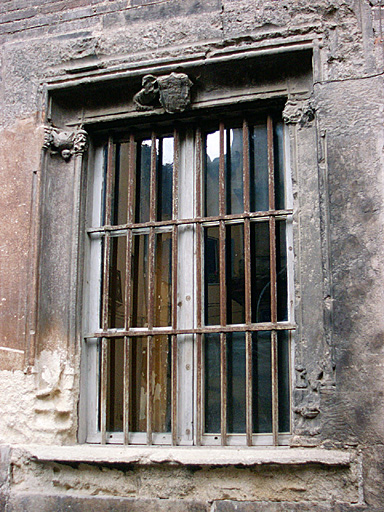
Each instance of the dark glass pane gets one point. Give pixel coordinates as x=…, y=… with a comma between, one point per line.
x=283, y=382
x=163, y=279
x=138, y=385
x=142, y=181
x=120, y=185
x=261, y=382
x=236, y=412
x=260, y=272
x=212, y=383
x=211, y=174
x=258, y=146
x=116, y=295
x=278, y=146
x=161, y=383
x=235, y=276
x=104, y=187
x=139, y=294
x=234, y=171
x=211, y=276
x=281, y=264
x=164, y=178
x=115, y=386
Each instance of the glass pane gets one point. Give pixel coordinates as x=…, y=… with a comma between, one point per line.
x=258, y=167
x=138, y=385
x=143, y=180
x=164, y=178
x=120, y=185
x=234, y=171
x=163, y=279
x=235, y=276
x=278, y=142
x=116, y=295
x=211, y=174
x=211, y=276
x=139, y=295
x=281, y=270
x=236, y=412
x=115, y=385
x=260, y=272
x=161, y=383
x=261, y=382
x=283, y=383
x=212, y=383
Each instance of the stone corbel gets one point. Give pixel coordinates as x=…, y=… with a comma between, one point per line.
x=299, y=111
x=65, y=143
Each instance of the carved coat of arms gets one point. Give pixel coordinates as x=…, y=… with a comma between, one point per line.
x=172, y=92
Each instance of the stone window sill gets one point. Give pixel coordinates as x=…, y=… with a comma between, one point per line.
x=199, y=456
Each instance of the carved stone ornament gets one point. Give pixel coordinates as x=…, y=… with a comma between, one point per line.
x=64, y=143
x=172, y=92
x=297, y=111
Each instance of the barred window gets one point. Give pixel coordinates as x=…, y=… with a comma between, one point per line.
x=189, y=285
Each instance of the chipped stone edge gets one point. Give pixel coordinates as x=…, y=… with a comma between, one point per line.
x=201, y=456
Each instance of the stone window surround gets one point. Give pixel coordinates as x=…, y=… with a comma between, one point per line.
x=298, y=114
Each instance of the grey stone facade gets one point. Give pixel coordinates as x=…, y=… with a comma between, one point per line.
x=79, y=64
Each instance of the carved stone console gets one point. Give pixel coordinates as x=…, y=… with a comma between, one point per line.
x=65, y=143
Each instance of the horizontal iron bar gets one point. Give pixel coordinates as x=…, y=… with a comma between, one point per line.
x=160, y=331
x=200, y=220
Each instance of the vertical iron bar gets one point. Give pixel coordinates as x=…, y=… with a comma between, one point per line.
x=174, y=390
x=103, y=390
x=152, y=188
x=109, y=177
x=223, y=387
x=275, y=394
x=151, y=279
x=175, y=213
x=199, y=286
x=126, y=377
x=149, y=390
x=272, y=221
x=128, y=288
x=248, y=386
x=199, y=391
x=272, y=245
x=248, y=286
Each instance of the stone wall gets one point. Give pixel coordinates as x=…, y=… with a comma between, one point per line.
x=52, y=55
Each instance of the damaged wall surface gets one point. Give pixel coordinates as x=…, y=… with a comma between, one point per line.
x=71, y=72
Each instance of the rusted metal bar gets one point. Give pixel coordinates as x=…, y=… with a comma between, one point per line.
x=199, y=404
x=223, y=387
x=103, y=390
x=248, y=387
x=223, y=291
x=149, y=389
x=222, y=171
x=272, y=219
x=131, y=178
x=275, y=396
x=152, y=187
x=106, y=256
x=202, y=220
x=109, y=178
x=199, y=287
x=272, y=249
x=246, y=187
x=247, y=271
x=174, y=389
x=126, y=388
x=271, y=164
x=266, y=326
